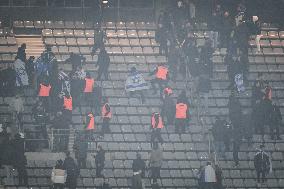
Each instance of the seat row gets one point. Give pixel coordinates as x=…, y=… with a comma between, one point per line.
x=82, y=25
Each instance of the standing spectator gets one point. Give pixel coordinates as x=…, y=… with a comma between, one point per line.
x=90, y=126
x=21, y=54
x=215, y=26
x=136, y=84
x=156, y=126
x=98, y=41
x=89, y=89
x=182, y=116
x=155, y=163
x=17, y=106
x=276, y=121
x=81, y=148
x=161, y=78
x=103, y=63
x=58, y=175
x=161, y=38
x=257, y=93
x=168, y=108
x=30, y=69
x=106, y=116
x=75, y=60
x=218, y=135
x=235, y=113
x=219, y=177
x=72, y=171
x=206, y=58
x=67, y=108
x=100, y=161
x=256, y=30
x=139, y=165
x=98, y=93
x=262, y=164
x=61, y=132
x=226, y=29
x=209, y=176
x=44, y=91
x=236, y=147
x=20, y=160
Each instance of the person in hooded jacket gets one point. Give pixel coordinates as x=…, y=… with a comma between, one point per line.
x=72, y=171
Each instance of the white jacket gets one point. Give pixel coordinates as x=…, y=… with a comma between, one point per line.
x=58, y=176
x=209, y=174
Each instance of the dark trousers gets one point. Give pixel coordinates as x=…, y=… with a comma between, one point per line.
x=180, y=125
x=155, y=173
x=156, y=134
x=99, y=169
x=23, y=176
x=102, y=71
x=82, y=163
x=105, y=126
x=236, y=149
x=261, y=174
x=71, y=181
x=19, y=117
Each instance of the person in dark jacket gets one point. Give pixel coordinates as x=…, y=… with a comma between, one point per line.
x=98, y=41
x=81, y=147
x=72, y=171
x=235, y=112
x=168, y=109
x=100, y=161
x=219, y=177
x=30, y=69
x=276, y=121
x=139, y=165
x=161, y=38
x=262, y=164
x=20, y=165
x=21, y=54
x=103, y=63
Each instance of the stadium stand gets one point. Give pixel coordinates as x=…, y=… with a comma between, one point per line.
x=133, y=44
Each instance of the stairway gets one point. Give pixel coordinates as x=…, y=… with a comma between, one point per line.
x=34, y=44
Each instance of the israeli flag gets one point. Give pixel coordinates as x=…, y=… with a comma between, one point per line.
x=135, y=82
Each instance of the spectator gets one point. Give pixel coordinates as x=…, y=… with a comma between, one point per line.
x=58, y=175
x=39, y=112
x=155, y=163
x=265, y=111
x=262, y=164
x=139, y=165
x=61, y=132
x=219, y=177
x=81, y=148
x=20, y=160
x=75, y=60
x=168, y=109
x=161, y=78
x=156, y=126
x=17, y=106
x=161, y=38
x=89, y=89
x=255, y=28
x=67, y=108
x=235, y=113
x=276, y=121
x=90, y=126
x=234, y=68
x=209, y=176
x=135, y=83
x=30, y=69
x=257, y=94
x=98, y=93
x=22, y=78
x=106, y=116
x=77, y=85
x=44, y=89
x=98, y=41
x=215, y=26
x=182, y=113
x=100, y=161
x=218, y=135
x=21, y=54
x=206, y=58
x=72, y=171
x=103, y=63
x=226, y=29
